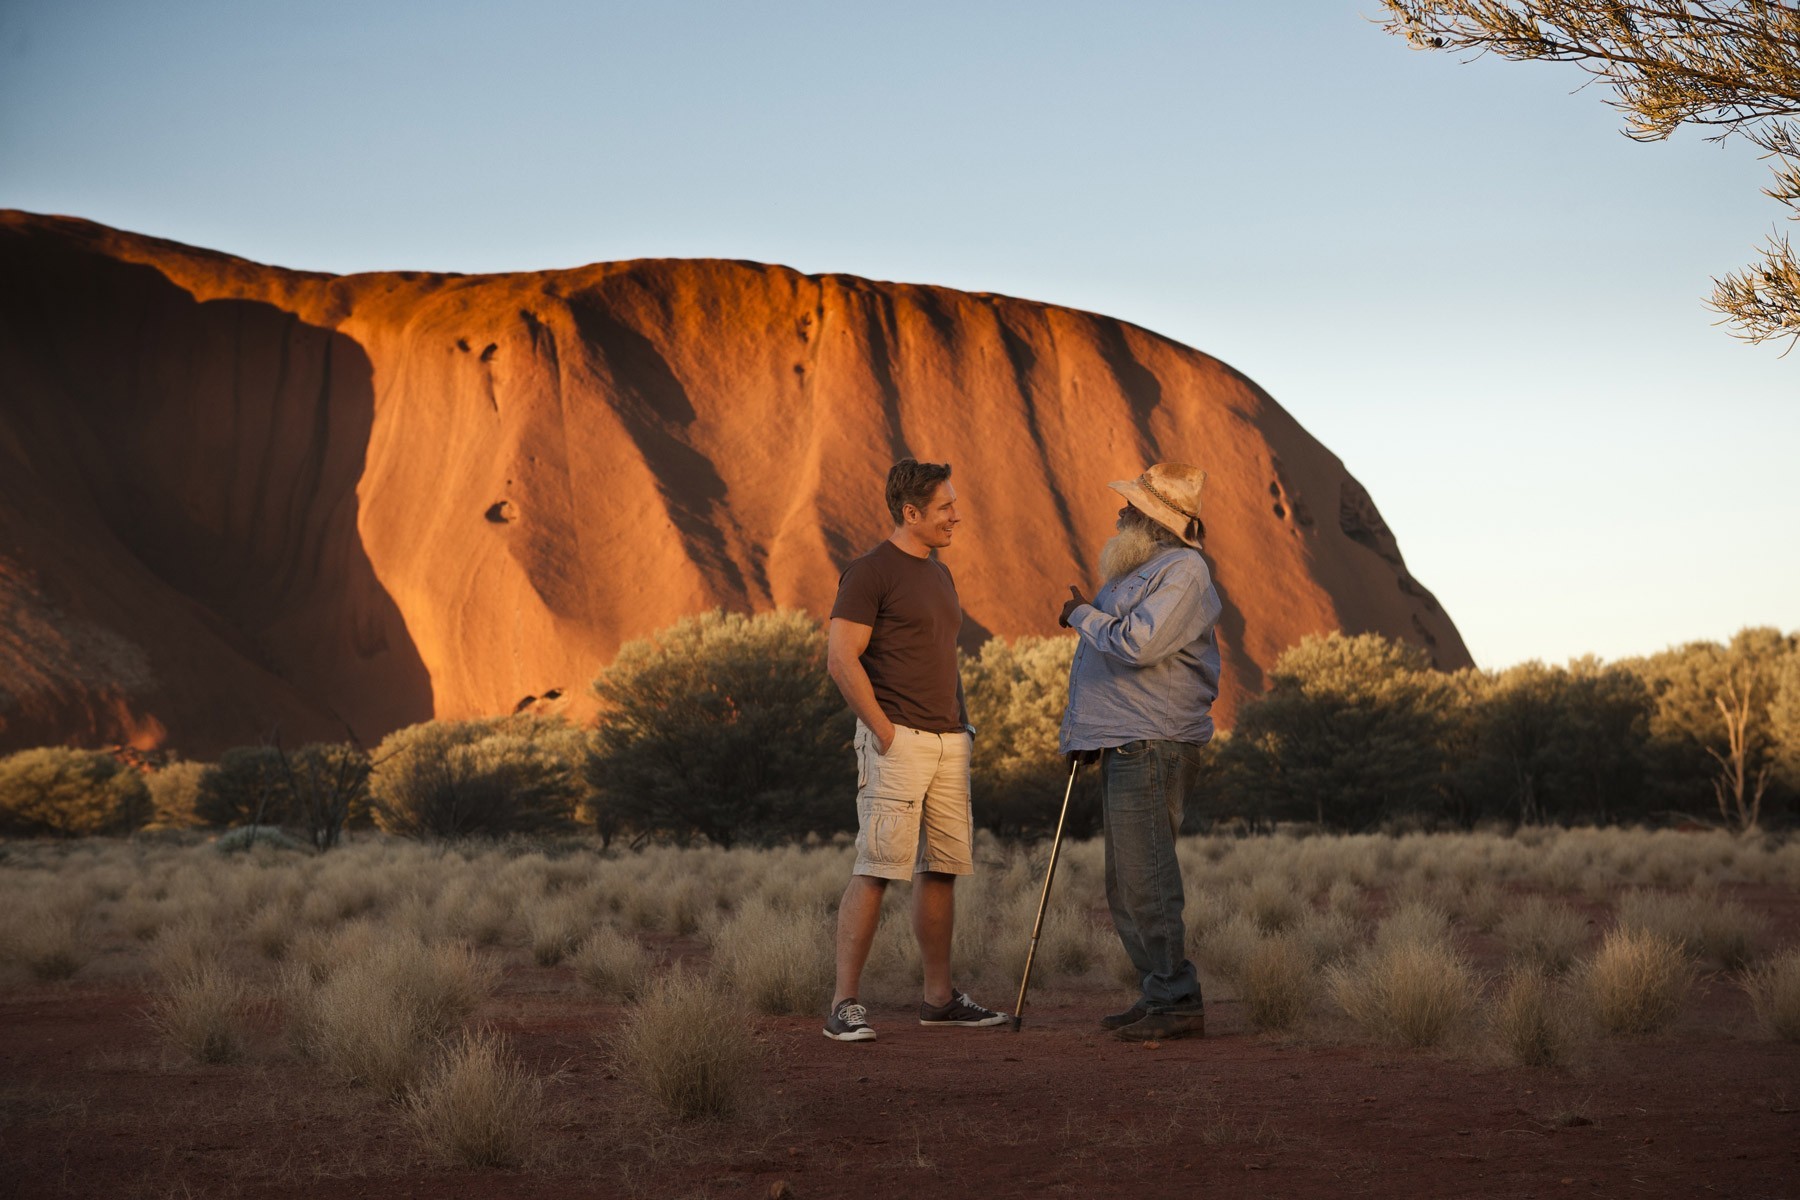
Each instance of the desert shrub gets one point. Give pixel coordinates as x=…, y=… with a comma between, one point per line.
x=249, y=785
x=1543, y=934
x=1550, y=743
x=1015, y=692
x=1530, y=1019
x=1350, y=733
x=688, y=1047
x=1413, y=922
x=175, y=795
x=1329, y=937
x=613, y=964
x=478, y=1106
x=49, y=941
x=201, y=1013
x=1225, y=949
x=249, y=837
x=1277, y=982
x=186, y=947
x=722, y=726
x=779, y=961
x=330, y=786
x=477, y=778
x=1636, y=980
x=1706, y=925
x=1775, y=993
x=376, y=1018
x=555, y=926
x=56, y=791
x=1270, y=901
x=1413, y=992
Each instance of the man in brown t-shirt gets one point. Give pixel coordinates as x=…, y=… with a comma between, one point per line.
x=893, y=656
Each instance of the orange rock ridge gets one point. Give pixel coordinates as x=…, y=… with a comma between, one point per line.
x=237, y=499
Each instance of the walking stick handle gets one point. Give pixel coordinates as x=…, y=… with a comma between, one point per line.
x=1037, y=926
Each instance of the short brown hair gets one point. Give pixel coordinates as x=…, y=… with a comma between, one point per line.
x=913, y=482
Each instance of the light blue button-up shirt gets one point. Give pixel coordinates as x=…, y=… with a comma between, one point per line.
x=1147, y=665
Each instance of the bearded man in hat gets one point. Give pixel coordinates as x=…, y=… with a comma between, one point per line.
x=1141, y=689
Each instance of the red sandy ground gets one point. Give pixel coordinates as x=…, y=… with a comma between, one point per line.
x=90, y=1105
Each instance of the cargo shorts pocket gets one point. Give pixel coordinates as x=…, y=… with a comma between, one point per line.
x=890, y=832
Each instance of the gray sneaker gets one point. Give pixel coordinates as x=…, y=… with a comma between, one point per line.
x=849, y=1022
x=961, y=1011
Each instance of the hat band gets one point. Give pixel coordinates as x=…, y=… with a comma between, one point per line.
x=1144, y=482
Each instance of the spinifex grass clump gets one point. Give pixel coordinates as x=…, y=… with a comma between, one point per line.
x=1530, y=1018
x=1708, y=926
x=376, y=1018
x=1543, y=934
x=778, y=960
x=1278, y=982
x=1775, y=992
x=612, y=963
x=50, y=942
x=479, y=1105
x=1413, y=986
x=201, y=1013
x=687, y=1045
x=1636, y=981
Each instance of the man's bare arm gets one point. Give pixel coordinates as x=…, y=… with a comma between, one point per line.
x=845, y=642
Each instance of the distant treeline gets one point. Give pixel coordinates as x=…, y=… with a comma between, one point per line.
x=725, y=728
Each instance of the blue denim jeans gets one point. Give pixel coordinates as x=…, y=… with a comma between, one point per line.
x=1143, y=787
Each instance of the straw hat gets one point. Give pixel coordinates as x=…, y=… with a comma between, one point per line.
x=1169, y=494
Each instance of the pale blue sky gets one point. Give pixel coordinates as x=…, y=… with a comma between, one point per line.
x=1460, y=277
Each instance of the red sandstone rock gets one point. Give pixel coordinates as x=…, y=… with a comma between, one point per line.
x=235, y=497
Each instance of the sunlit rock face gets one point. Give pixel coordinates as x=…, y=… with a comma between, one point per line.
x=239, y=502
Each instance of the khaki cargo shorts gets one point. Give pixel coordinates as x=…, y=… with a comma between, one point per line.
x=912, y=804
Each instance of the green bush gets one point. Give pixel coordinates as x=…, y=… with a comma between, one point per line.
x=1016, y=694
x=481, y=778
x=249, y=785
x=175, y=795
x=330, y=788
x=63, y=792
x=726, y=727
x=1352, y=733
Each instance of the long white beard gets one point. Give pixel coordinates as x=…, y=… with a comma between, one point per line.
x=1126, y=551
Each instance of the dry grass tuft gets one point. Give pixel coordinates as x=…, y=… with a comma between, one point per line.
x=687, y=1046
x=1636, y=981
x=375, y=1020
x=185, y=949
x=612, y=963
x=779, y=960
x=1530, y=1019
x=1278, y=982
x=1226, y=948
x=51, y=943
x=478, y=1105
x=1414, y=922
x=1410, y=991
x=1543, y=934
x=1270, y=901
x=202, y=1014
x=1775, y=992
x=1707, y=926
x=555, y=927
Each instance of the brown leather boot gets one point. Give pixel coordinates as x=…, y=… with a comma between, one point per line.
x=1161, y=1027
x=1130, y=1016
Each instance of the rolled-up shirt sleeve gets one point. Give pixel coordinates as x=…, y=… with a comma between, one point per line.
x=1177, y=607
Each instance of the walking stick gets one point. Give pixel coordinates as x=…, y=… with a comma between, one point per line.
x=1037, y=926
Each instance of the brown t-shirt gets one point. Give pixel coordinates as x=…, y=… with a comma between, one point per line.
x=911, y=605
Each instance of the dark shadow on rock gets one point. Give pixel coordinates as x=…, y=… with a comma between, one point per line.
x=201, y=460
